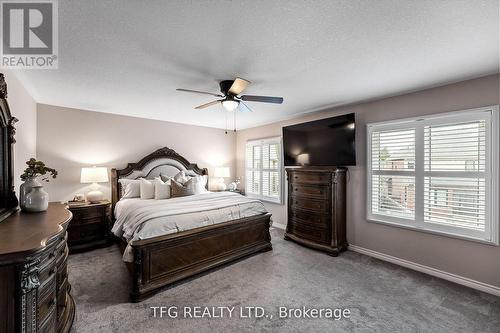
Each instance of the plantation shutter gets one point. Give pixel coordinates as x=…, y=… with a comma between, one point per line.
x=455, y=178
x=263, y=169
x=393, y=173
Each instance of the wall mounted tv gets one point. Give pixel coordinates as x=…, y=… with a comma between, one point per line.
x=324, y=142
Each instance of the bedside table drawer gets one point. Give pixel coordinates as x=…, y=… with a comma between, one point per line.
x=88, y=220
x=84, y=232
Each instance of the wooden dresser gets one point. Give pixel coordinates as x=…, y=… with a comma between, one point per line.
x=90, y=227
x=35, y=292
x=316, y=208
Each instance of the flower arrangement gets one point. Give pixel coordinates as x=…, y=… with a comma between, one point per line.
x=36, y=169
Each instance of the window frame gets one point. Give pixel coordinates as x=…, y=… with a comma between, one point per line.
x=261, y=142
x=491, y=114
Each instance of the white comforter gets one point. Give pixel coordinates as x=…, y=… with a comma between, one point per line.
x=140, y=219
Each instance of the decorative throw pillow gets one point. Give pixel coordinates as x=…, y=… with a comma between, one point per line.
x=165, y=178
x=130, y=188
x=162, y=189
x=180, y=190
x=197, y=184
x=147, y=189
x=181, y=177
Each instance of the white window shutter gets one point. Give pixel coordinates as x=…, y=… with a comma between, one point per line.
x=264, y=169
x=455, y=181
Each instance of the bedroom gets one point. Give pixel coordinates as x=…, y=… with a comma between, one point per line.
x=389, y=224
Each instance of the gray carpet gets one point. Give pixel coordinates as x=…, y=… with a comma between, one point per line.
x=382, y=297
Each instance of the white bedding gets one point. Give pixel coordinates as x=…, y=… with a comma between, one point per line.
x=141, y=219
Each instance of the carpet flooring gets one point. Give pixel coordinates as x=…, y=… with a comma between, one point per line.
x=380, y=296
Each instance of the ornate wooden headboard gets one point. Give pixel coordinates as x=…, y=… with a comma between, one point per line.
x=163, y=161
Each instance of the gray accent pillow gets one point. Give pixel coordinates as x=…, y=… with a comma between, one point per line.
x=180, y=190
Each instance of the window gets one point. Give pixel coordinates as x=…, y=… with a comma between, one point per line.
x=436, y=173
x=263, y=169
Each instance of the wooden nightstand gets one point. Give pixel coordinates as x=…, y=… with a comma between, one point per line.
x=90, y=227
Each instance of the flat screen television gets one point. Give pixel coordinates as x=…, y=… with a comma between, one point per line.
x=324, y=142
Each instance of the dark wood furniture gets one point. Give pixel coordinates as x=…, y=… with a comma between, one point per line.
x=317, y=208
x=90, y=227
x=34, y=292
x=8, y=200
x=163, y=260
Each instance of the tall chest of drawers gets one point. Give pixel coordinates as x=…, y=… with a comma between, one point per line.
x=35, y=294
x=317, y=208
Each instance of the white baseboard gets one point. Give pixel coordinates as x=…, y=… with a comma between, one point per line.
x=279, y=226
x=487, y=288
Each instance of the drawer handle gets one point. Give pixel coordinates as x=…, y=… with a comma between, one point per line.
x=296, y=189
x=52, y=255
x=52, y=271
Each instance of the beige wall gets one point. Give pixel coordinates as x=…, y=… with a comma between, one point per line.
x=469, y=259
x=69, y=139
x=23, y=107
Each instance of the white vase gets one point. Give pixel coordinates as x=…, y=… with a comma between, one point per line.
x=25, y=188
x=37, y=200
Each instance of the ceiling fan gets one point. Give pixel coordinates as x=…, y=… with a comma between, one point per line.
x=231, y=98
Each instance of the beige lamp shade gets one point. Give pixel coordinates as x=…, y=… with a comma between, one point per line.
x=222, y=172
x=94, y=175
x=303, y=159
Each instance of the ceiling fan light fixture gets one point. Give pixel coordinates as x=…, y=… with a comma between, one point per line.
x=230, y=104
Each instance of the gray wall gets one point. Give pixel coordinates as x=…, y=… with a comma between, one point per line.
x=466, y=258
x=69, y=139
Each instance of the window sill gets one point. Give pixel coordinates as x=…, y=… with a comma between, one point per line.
x=268, y=200
x=435, y=232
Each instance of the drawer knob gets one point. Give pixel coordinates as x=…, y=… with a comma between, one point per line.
x=296, y=189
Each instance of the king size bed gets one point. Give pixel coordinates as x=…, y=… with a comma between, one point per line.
x=164, y=241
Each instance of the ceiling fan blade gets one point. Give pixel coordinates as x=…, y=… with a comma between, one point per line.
x=243, y=107
x=264, y=99
x=199, y=92
x=238, y=86
x=206, y=105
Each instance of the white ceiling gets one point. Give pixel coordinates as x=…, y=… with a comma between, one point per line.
x=127, y=57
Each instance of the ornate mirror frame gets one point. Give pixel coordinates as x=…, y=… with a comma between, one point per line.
x=8, y=200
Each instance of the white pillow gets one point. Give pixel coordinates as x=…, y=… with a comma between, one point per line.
x=197, y=184
x=162, y=189
x=130, y=188
x=147, y=189
x=181, y=177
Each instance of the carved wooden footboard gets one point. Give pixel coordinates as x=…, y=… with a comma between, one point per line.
x=161, y=261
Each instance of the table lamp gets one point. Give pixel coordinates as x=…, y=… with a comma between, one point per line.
x=221, y=173
x=94, y=175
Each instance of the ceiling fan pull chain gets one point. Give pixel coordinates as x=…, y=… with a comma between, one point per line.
x=227, y=127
